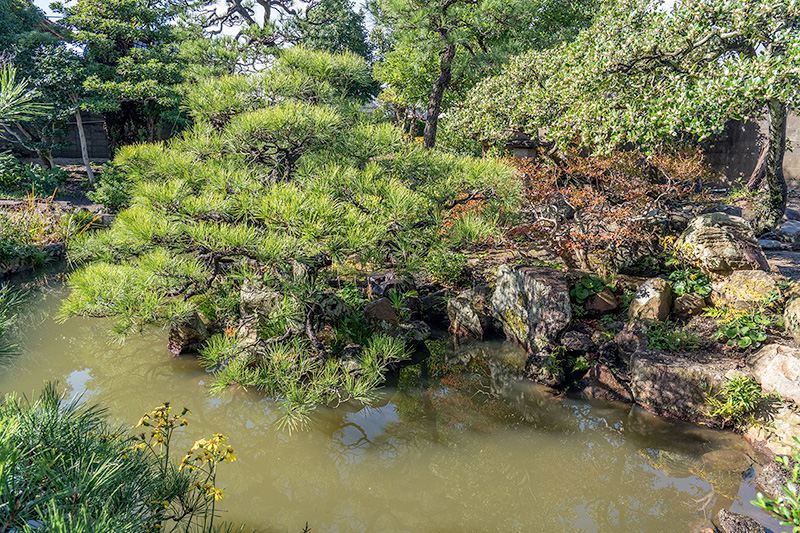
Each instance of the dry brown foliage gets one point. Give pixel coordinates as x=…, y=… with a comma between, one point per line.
x=586, y=206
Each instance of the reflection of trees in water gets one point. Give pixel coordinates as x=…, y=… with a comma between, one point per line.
x=467, y=445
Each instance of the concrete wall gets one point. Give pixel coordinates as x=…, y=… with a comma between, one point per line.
x=735, y=153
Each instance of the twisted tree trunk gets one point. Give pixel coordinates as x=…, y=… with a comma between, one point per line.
x=767, y=179
x=437, y=92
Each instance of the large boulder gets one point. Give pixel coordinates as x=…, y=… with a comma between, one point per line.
x=778, y=426
x=777, y=369
x=652, y=301
x=720, y=244
x=677, y=386
x=532, y=304
x=187, y=336
x=743, y=288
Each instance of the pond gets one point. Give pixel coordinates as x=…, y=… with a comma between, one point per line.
x=462, y=444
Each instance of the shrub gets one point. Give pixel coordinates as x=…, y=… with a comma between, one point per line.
x=11, y=172
x=113, y=189
x=445, y=266
x=667, y=336
x=121, y=485
x=590, y=208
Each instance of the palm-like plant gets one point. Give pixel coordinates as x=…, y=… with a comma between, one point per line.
x=17, y=98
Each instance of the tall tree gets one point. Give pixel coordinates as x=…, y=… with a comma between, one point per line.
x=646, y=76
x=130, y=48
x=330, y=25
x=470, y=39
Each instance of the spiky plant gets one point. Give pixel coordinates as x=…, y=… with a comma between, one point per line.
x=280, y=178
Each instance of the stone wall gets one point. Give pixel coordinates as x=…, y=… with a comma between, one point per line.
x=736, y=151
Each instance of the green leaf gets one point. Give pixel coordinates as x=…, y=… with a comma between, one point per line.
x=745, y=342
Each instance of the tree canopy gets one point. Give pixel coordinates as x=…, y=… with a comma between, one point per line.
x=441, y=45
x=645, y=76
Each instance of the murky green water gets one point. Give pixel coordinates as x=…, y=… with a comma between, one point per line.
x=465, y=454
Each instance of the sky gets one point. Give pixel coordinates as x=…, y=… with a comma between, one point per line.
x=44, y=5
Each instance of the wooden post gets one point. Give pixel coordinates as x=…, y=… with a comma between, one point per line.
x=84, y=148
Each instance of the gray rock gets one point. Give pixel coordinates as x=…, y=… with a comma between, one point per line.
x=724, y=208
x=188, y=336
x=773, y=477
x=689, y=305
x=737, y=523
x=382, y=284
x=577, y=342
x=792, y=214
x=652, y=301
x=381, y=314
x=333, y=308
x=771, y=244
x=255, y=298
x=790, y=227
x=413, y=332
x=465, y=319
x=777, y=369
x=720, y=243
x=532, y=304
x=791, y=318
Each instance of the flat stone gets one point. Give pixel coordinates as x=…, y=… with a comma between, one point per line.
x=730, y=460
x=676, y=386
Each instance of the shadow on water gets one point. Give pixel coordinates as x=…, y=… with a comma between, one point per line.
x=461, y=443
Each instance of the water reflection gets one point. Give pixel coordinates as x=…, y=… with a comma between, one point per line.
x=462, y=443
